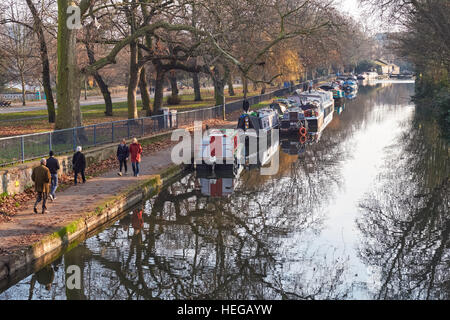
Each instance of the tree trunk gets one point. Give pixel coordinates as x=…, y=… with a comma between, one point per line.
x=45, y=62
x=133, y=81
x=22, y=81
x=255, y=86
x=197, y=93
x=85, y=88
x=101, y=84
x=219, y=87
x=173, y=85
x=263, y=88
x=159, y=90
x=106, y=94
x=145, y=93
x=245, y=86
x=68, y=79
x=230, y=86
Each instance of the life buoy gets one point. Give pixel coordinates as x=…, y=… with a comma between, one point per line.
x=302, y=139
x=302, y=131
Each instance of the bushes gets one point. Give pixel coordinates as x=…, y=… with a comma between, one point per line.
x=442, y=104
x=173, y=100
x=434, y=98
x=365, y=66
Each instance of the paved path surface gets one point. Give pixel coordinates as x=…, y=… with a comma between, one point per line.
x=28, y=227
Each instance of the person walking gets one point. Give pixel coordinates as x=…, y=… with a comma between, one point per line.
x=41, y=177
x=310, y=87
x=135, y=153
x=246, y=106
x=305, y=86
x=79, y=164
x=53, y=166
x=123, y=152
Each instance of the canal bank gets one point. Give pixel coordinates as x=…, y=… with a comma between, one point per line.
x=87, y=210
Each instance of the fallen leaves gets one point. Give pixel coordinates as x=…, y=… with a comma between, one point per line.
x=9, y=205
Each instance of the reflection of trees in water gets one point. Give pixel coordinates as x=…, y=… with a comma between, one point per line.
x=197, y=247
x=406, y=223
x=362, y=111
x=236, y=247
x=252, y=244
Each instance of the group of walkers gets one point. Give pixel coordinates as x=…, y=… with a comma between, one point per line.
x=124, y=152
x=45, y=176
x=308, y=86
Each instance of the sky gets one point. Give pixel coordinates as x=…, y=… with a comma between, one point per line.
x=353, y=8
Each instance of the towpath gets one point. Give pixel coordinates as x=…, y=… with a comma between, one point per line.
x=70, y=204
x=27, y=227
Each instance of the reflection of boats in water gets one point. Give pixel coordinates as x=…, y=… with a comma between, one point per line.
x=221, y=187
x=292, y=146
x=351, y=95
x=339, y=109
x=371, y=82
x=297, y=145
x=218, y=184
x=368, y=76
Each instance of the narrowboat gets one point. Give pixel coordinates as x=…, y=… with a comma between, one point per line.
x=279, y=107
x=335, y=88
x=228, y=149
x=318, y=109
x=294, y=122
x=252, y=125
x=219, y=149
x=350, y=85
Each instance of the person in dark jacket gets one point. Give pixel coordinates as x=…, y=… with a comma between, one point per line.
x=246, y=105
x=79, y=164
x=123, y=152
x=53, y=166
x=41, y=177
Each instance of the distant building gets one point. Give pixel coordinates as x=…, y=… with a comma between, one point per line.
x=387, y=67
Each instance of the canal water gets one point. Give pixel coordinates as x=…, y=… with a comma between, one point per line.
x=362, y=213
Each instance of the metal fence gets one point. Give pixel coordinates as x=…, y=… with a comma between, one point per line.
x=32, y=146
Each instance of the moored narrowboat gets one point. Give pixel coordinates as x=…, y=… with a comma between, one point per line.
x=318, y=108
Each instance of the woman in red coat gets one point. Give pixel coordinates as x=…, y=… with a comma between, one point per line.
x=135, y=154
